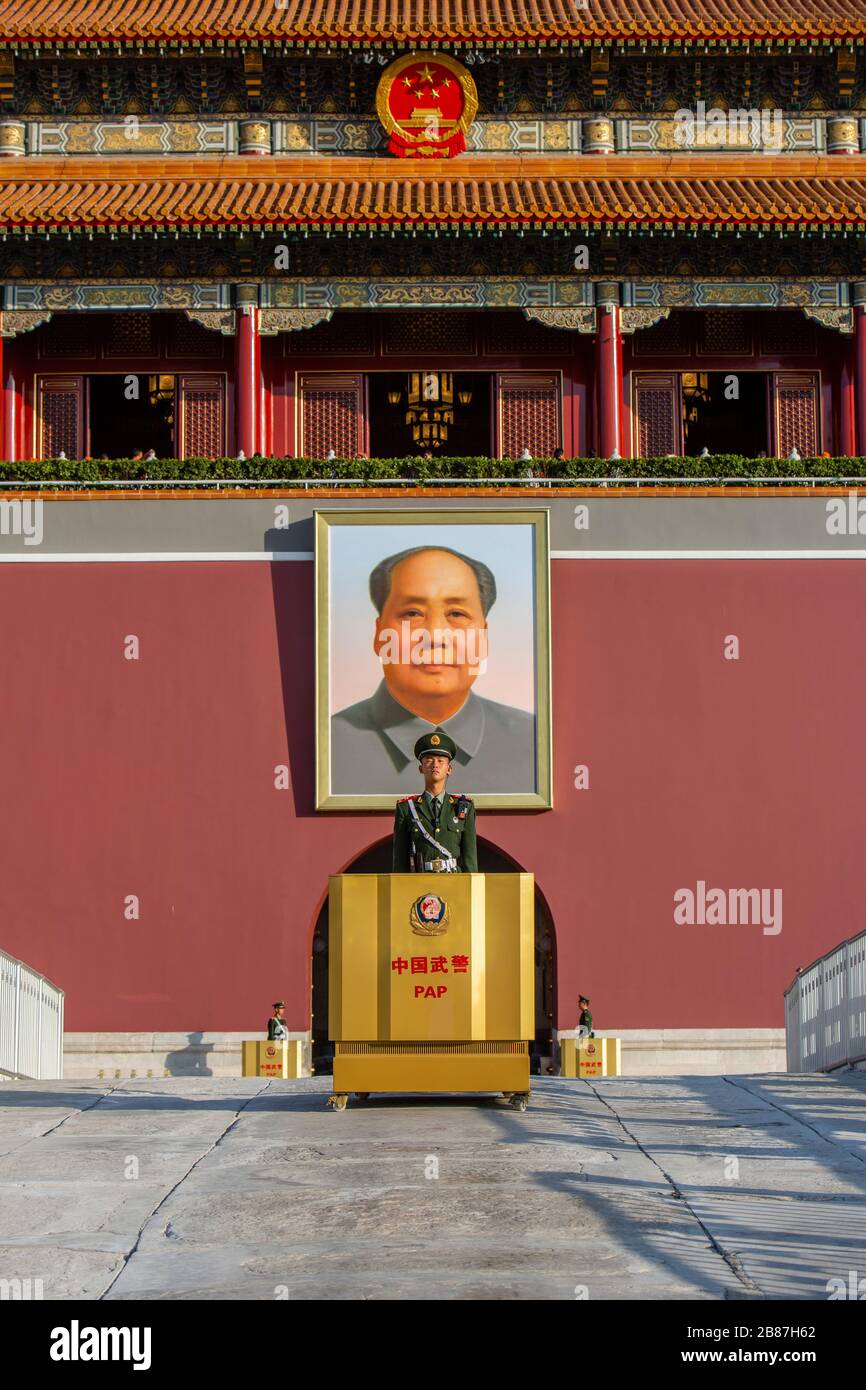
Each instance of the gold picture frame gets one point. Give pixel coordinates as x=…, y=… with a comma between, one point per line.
x=536, y=797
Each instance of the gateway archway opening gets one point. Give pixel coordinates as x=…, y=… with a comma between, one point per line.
x=377, y=860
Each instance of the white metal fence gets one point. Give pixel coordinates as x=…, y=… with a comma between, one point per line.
x=31, y=1022
x=825, y=1010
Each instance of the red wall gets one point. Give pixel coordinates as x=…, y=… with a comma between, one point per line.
x=155, y=777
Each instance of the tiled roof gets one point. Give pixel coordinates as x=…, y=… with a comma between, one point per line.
x=645, y=191
x=461, y=21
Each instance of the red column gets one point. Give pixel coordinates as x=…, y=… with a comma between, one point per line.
x=8, y=406
x=248, y=379
x=608, y=376
x=847, y=432
x=860, y=374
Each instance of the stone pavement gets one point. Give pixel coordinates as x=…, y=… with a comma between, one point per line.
x=697, y=1187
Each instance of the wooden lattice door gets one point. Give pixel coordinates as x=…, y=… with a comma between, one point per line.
x=529, y=414
x=61, y=416
x=333, y=415
x=201, y=417
x=796, y=418
x=658, y=414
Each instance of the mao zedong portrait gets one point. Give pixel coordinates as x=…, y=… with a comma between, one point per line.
x=431, y=638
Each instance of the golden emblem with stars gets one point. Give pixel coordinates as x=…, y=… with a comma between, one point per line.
x=426, y=105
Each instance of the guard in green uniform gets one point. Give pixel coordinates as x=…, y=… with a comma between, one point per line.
x=277, y=1030
x=435, y=831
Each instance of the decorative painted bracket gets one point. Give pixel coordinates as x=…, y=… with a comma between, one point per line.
x=15, y=321
x=217, y=320
x=273, y=321
x=632, y=319
x=840, y=319
x=581, y=319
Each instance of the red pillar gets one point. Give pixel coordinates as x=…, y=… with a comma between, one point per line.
x=608, y=375
x=248, y=378
x=847, y=431
x=8, y=406
x=860, y=375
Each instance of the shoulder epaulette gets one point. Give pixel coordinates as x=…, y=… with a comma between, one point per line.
x=461, y=796
x=416, y=797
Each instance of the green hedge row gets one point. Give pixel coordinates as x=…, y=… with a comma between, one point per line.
x=430, y=472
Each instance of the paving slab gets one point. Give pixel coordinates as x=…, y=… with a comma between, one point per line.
x=623, y=1188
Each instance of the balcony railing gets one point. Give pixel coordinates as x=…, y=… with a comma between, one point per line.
x=31, y=1023
x=825, y=1010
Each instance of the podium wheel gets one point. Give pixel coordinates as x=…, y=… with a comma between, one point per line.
x=338, y=1102
x=362, y=1095
x=520, y=1102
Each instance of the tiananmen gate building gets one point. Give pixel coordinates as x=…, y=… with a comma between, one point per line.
x=207, y=196
x=486, y=229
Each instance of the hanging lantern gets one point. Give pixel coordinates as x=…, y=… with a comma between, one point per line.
x=430, y=396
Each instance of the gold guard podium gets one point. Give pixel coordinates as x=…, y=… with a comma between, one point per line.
x=431, y=983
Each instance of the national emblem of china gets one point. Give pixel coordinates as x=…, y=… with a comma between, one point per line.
x=429, y=916
x=426, y=104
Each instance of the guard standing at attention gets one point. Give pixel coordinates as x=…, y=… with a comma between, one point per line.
x=434, y=832
x=277, y=1030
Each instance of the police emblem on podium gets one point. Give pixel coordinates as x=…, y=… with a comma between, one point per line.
x=429, y=916
x=426, y=103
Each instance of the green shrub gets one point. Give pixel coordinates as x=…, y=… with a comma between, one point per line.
x=445, y=472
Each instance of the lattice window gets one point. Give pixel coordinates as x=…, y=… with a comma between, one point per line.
x=658, y=415
x=511, y=335
x=350, y=335
x=332, y=416
x=664, y=338
x=131, y=335
x=787, y=335
x=202, y=417
x=796, y=413
x=189, y=339
x=529, y=415
x=724, y=331
x=70, y=335
x=61, y=417
x=429, y=331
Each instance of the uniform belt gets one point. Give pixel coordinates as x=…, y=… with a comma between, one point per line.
x=441, y=866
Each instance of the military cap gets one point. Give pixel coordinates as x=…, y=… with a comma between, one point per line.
x=435, y=742
x=280, y=1004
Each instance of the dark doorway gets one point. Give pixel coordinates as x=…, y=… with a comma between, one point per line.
x=490, y=861
x=725, y=412
x=120, y=427
x=470, y=435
